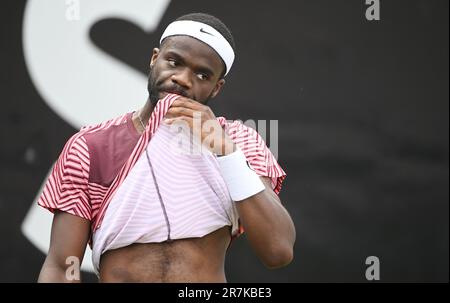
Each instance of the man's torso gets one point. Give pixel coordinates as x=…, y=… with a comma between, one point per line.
x=190, y=259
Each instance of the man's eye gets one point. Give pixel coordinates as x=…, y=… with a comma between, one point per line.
x=202, y=76
x=172, y=62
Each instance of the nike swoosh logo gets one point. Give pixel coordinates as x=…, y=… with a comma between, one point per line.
x=203, y=31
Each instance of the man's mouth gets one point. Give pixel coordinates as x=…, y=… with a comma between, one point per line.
x=175, y=91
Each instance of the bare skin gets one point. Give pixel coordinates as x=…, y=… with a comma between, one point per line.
x=195, y=69
x=188, y=260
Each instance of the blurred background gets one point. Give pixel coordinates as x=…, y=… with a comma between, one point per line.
x=362, y=109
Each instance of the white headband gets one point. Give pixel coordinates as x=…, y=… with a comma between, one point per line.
x=204, y=33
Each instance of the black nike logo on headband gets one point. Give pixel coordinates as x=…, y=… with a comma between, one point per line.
x=203, y=31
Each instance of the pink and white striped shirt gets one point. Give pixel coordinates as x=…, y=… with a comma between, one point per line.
x=98, y=162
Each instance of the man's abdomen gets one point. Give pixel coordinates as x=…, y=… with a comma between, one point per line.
x=186, y=260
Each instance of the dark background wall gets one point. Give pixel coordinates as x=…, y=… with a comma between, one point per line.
x=363, y=115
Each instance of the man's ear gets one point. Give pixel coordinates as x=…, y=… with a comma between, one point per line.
x=155, y=55
x=217, y=88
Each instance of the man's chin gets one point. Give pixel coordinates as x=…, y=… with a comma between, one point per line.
x=162, y=95
x=156, y=98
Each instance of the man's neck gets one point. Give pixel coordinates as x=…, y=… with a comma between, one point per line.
x=147, y=111
x=144, y=114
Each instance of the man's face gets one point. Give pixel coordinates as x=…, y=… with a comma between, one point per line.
x=187, y=67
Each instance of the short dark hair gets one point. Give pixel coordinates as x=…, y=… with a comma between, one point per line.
x=216, y=24
x=213, y=22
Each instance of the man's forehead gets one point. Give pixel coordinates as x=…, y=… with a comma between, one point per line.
x=187, y=43
x=192, y=47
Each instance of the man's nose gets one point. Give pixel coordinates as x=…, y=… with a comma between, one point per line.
x=183, y=78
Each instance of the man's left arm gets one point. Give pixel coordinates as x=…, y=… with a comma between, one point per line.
x=268, y=226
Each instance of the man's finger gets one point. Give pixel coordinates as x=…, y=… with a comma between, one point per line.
x=181, y=111
x=188, y=103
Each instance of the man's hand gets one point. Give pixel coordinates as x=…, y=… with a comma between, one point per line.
x=202, y=121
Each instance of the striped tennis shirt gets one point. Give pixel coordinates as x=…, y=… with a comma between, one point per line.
x=96, y=161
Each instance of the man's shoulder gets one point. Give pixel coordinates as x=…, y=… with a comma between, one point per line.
x=106, y=125
x=105, y=147
x=93, y=133
x=99, y=130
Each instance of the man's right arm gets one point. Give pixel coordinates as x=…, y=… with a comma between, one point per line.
x=69, y=237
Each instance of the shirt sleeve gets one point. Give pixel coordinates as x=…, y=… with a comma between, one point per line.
x=66, y=188
x=259, y=156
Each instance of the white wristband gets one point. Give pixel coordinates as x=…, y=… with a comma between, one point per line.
x=242, y=182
